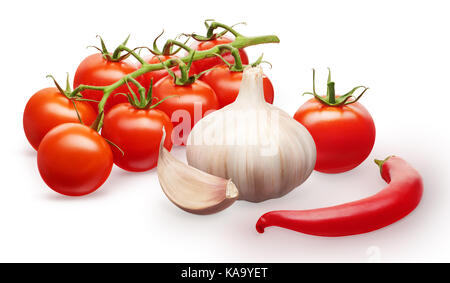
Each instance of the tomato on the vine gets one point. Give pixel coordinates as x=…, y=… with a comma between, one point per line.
x=49, y=108
x=147, y=78
x=138, y=133
x=226, y=84
x=74, y=160
x=189, y=104
x=208, y=63
x=342, y=128
x=95, y=70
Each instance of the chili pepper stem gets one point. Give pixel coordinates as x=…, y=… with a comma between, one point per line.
x=380, y=163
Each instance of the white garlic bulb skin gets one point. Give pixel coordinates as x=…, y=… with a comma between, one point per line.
x=264, y=151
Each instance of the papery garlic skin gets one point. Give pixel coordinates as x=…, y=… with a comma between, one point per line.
x=259, y=147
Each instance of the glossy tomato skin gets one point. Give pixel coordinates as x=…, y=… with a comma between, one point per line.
x=49, y=108
x=147, y=78
x=208, y=63
x=138, y=133
x=186, y=104
x=344, y=135
x=226, y=85
x=74, y=160
x=97, y=71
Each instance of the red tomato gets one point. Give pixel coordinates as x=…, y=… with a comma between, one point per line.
x=208, y=63
x=226, y=85
x=146, y=78
x=190, y=105
x=49, y=108
x=74, y=160
x=344, y=135
x=97, y=71
x=138, y=133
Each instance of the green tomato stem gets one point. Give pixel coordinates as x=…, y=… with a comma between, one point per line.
x=239, y=43
x=167, y=49
x=216, y=25
x=133, y=53
x=237, y=67
x=331, y=95
x=81, y=88
x=116, y=54
x=330, y=99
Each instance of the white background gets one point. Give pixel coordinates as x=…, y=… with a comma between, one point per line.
x=400, y=49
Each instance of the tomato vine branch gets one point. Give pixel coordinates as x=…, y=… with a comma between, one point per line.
x=239, y=42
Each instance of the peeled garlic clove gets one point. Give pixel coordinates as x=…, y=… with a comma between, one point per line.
x=191, y=189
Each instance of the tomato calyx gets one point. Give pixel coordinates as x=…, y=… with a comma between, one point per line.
x=260, y=61
x=72, y=95
x=116, y=56
x=211, y=35
x=330, y=99
x=168, y=46
x=69, y=94
x=238, y=66
x=145, y=99
x=184, y=79
x=68, y=91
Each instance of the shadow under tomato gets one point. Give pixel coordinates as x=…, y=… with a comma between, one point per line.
x=117, y=182
x=29, y=152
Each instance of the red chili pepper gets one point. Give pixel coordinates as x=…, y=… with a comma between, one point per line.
x=397, y=200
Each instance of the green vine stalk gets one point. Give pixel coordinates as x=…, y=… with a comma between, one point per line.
x=239, y=42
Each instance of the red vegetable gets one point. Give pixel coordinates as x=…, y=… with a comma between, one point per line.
x=187, y=101
x=104, y=69
x=49, y=108
x=343, y=130
x=207, y=63
x=74, y=160
x=98, y=71
x=147, y=78
x=136, y=128
x=226, y=84
x=397, y=200
x=138, y=133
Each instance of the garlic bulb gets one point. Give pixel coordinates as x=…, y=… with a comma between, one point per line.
x=191, y=189
x=259, y=147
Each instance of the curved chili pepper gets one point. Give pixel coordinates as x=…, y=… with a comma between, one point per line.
x=394, y=202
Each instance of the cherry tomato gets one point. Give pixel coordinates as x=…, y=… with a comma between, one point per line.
x=49, y=108
x=226, y=85
x=208, y=63
x=344, y=135
x=97, y=71
x=147, y=78
x=138, y=133
x=74, y=160
x=189, y=104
